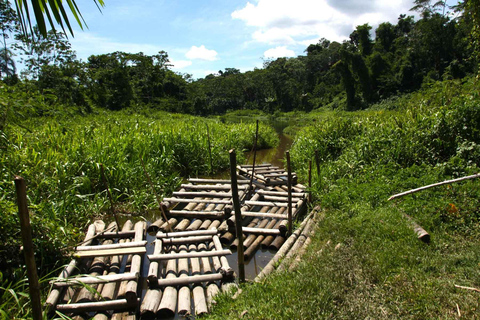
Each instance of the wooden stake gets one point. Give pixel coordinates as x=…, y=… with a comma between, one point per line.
x=254, y=158
x=26, y=229
x=289, y=186
x=238, y=214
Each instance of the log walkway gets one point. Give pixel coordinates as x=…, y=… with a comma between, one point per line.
x=188, y=265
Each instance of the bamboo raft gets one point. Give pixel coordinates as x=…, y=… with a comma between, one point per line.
x=102, y=279
x=188, y=265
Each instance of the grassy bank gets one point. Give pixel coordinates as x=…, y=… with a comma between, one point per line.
x=364, y=260
x=60, y=159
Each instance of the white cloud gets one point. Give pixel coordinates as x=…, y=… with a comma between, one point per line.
x=180, y=64
x=285, y=22
x=201, y=53
x=279, y=52
x=86, y=44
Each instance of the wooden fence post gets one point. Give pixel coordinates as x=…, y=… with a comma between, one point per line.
x=289, y=186
x=238, y=214
x=254, y=158
x=26, y=230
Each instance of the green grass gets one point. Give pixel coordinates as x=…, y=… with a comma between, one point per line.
x=60, y=159
x=365, y=262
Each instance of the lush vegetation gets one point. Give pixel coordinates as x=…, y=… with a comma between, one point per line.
x=61, y=118
x=365, y=261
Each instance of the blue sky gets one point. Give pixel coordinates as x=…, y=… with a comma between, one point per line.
x=204, y=36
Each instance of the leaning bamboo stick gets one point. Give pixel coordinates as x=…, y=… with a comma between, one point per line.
x=475, y=176
x=227, y=270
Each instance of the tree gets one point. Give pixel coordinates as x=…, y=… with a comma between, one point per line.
x=52, y=10
x=54, y=49
x=8, y=24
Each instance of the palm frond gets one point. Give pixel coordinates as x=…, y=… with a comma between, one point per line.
x=53, y=11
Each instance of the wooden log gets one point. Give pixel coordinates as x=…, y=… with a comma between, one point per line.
x=198, y=180
x=296, y=246
x=54, y=295
x=197, y=214
x=132, y=285
x=205, y=224
x=28, y=250
x=216, y=264
x=199, y=299
x=203, y=194
x=214, y=225
x=154, y=266
x=277, y=243
x=168, y=256
x=172, y=222
x=94, y=279
x=168, y=304
x=420, y=232
x=186, y=240
x=281, y=193
x=264, y=215
x=280, y=199
x=211, y=187
x=118, y=304
x=109, y=252
x=263, y=231
x=184, y=294
x=251, y=237
x=227, y=238
x=227, y=270
x=212, y=291
x=195, y=225
x=258, y=240
x=251, y=224
x=150, y=303
x=182, y=225
x=263, y=165
x=162, y=235
x=113, y=246
x=207, y=269
x=180, y=200
x=268, y=203
x=96, y=269
x=282, y=251
x=154, y=227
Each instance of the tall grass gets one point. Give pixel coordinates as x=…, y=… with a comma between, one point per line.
x=365, y=261
x=60, y=159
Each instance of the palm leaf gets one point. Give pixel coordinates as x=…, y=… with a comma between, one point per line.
x=54, y=11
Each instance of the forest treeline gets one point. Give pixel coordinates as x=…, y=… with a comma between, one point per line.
x=372, y=65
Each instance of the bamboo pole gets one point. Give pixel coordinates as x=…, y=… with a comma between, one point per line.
x=28, y=251
x=297, y=245
x=184, y=301
x=289, y=186
x=254, y=159
x=168, y=304
x=199, y=299
x=154, y=265
x=475, y=176
x=135, y=267
x=150, y=303
x=283, y=250
x=238, y=216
